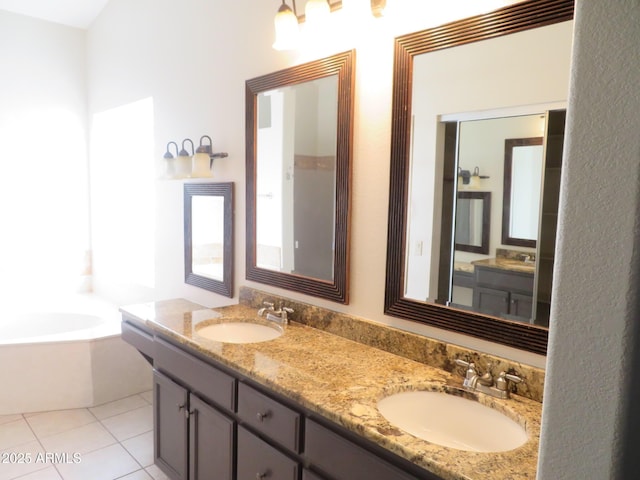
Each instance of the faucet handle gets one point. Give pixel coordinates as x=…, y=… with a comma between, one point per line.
x=268, y=304
x=462, y=363
x=470, y=368
x=513, y=378
x=502, y=382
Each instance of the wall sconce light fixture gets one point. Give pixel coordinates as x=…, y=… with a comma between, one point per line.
x=469, y=178
x=198, y=164
x=316, y=13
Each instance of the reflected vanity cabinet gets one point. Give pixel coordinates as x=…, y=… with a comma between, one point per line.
x=210, y=422
x=503, y=293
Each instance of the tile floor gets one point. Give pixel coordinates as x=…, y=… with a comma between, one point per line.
x=107, y=442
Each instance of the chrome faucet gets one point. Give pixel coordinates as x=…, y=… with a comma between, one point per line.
x=280, y=315
x=268, y=307
x=475, y=382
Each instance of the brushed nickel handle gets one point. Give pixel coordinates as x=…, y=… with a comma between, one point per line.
x=261, y=416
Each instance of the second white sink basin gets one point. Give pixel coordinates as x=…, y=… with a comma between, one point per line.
x=452, y=421
x=239, y=332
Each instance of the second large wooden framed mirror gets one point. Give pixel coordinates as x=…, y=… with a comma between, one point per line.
x=506, y=64
x=298, y=148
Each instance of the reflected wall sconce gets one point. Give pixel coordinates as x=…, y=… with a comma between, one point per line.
x=469, y=178
x=197, y=164
x=316, y=14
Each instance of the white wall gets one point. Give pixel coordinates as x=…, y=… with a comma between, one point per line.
x=192, y=59
x=595, y=307
x=43, y=152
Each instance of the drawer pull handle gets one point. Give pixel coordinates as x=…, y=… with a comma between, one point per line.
x=261, y=416
x=260, y=476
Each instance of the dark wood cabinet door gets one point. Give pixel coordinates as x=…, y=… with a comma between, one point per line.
x=521, y=306
x=491, y=301
x=170, y=427
x=212, y=442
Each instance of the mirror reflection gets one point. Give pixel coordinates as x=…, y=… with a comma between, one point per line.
x=523, y=168
x=447, y=102
x=473, y=221
x=208, y=242
x=299, y=133
x=296, y=176
x=207, y=236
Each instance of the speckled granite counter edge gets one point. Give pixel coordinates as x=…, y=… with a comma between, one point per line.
x=409, y=345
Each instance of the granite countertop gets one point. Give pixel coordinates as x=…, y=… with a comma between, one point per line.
x=507, y=264
x=343, y=380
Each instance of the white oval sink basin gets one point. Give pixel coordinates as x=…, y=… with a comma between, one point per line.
x=239, y=332
x=452, y=421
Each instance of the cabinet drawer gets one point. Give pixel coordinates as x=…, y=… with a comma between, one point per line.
x=138, y=338
x=504, y=280
x=259, y=460
x=267, y=416
x=205, y=380
x=343, y=460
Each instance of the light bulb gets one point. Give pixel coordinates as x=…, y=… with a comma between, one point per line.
x=286, y=26
x=316, y=12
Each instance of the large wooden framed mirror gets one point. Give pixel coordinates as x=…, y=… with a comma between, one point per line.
x=208, y=236
x=513, y=60
x=298, y=153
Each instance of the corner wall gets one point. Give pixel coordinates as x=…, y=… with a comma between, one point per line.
x=594, y=311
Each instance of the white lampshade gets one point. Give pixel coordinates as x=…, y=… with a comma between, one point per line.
x=286, y=26
x=316, y=12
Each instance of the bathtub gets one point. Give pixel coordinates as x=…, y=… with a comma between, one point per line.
x=71, y=356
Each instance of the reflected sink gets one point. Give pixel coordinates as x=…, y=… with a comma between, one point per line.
x=452, y=421
x=239, y=332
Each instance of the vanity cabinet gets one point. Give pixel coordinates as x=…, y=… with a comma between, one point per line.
x=193, y=440
x=194, y=432
x=342, y=459
x=505, y=293
x=212, y=422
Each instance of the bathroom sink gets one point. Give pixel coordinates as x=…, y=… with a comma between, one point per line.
x=239, y=332
x=452, y=421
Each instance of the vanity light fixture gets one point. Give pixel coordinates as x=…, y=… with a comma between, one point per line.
x=287, y=29
x=468, y=177
x=316, y=14
x=196, y=165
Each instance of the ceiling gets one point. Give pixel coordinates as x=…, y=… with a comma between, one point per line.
x=75, y=13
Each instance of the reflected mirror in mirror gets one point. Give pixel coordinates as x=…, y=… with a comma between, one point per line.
x=523, y=168
x=473, y=221
x=296, y=176
x=448, y=80
x=208, y=242
x=299, y=126
x=498, y=280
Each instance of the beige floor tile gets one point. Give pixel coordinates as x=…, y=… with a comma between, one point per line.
x=141, y=448
x=9, y=418
x=23, y=459
x=139, y=475
x=15, y=433
x=49, y=473
x=105, y=464
x=156, y=473
x=148, y=396
x=51, y=423
x=118, y=406
x=84, y=439
x=130, y=424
